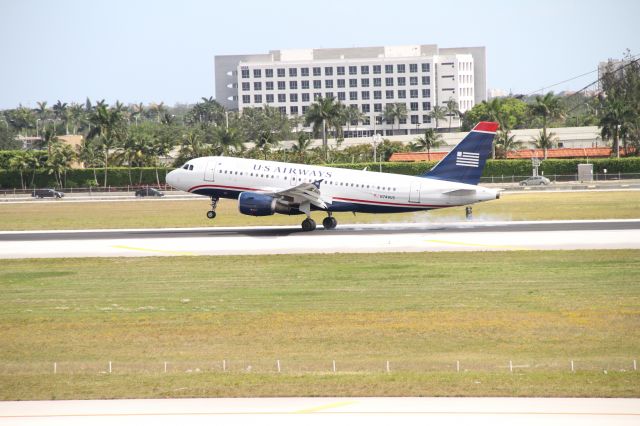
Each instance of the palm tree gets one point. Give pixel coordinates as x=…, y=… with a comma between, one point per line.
x=451, y=110
x=108, y=129
x=88, y=153
x=20, y=163
x=612, y=122
x=430, y=140
x=545, y=141
x=265, y=141
x=301, y=146
x=438, y=113
x=229, y=139
x=59, y=162
x=394, y=113
x=547, y=107
x=137, y=111
x=60, y=111
x=323, y=114
x=159, y=109
x=76, y=115
x=505, y=143
x=350, y=115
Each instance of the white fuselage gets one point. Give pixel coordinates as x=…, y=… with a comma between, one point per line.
x=341, y=189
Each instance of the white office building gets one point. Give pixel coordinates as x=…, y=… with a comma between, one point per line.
x=369, y=78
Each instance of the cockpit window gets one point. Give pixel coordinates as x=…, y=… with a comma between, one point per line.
x=191, y=167
x=186, y=167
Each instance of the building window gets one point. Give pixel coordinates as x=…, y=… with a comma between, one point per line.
x=257, y=99
x=353, y=82
x=388, y=81
x=328, y=95
x=304, y=72
x=293, y=97
x=402, y=94
x=341, y=83
x=305, y=109
x=426, y=119
x=269, y=85
x=377, y=107
x=341, y=96
x=414, y=106
x=426, y=67
x=413, y=93
x=377, y=82
x=317, y=96
x=305, y=97
x=366, y=108
x=402, y=120
x=281, y=85
x=293, y=85
x=268, y=73
x=364, y=82
x=389, y=94
x=328, y=70
x=246, y=86
x=317, y=71
x=426, y=93
x=305, y=84
x=413, y=67
x=366, y=121
x=246, y=99
x=377, y=69
x=414, y=119
x=401, y=68
x=353, y=96
x=257, y=73
x=328, y=84
x=364, y=69
x=353, y=70
x=388, y=68
x=340, y=71
x=294, y=110
x=317, y=84
x=377, y=94
x=364, y=95
x=280, y=72
x=270, y=99
x=245, y=73
x=283, y=110
x=402, y=81
x=257, y=85
x=413, y=81
x=426, y=106
x=282, y=97
x=426, y=80
x=293, y=72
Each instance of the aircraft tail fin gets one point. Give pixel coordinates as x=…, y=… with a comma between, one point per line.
x=464, y=164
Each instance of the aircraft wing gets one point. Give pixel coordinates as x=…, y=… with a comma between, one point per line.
x=306, y=192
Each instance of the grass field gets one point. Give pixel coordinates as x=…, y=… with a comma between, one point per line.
x=422, y=312
x=160, y=213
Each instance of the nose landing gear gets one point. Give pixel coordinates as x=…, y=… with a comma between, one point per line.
x=211, y=214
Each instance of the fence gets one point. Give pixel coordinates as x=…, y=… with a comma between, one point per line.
x=328, y=366
x=597, y=177
x=88, y=190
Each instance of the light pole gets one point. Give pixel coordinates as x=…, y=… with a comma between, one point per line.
x=37, y=134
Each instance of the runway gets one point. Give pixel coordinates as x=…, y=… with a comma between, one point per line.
x=320, y=411
x=370, y=238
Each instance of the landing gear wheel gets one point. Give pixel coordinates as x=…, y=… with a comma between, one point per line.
x=329, y=222
x=211, y=214
x=308, y=225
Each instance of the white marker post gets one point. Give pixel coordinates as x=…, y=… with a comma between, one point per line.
x=572, y=369
x=458, y=366
x=334, y=365
x=635, y=365
x=224, y=365
x=109, y=367
x=510, y=366
x=55, y=367
x=165, y=366
x=278, y=364
x=388, y=367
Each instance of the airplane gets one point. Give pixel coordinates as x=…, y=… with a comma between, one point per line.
x=264, y=188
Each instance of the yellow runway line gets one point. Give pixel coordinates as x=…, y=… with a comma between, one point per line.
x=176, y=253
x=324, y=407
x=461, y=243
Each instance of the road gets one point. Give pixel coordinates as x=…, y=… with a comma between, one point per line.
x=369, y=238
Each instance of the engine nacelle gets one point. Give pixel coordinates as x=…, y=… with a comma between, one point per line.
x=255, y=204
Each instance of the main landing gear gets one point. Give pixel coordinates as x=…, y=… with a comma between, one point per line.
x=211, y=214
x=329, y=222
x=308, y=224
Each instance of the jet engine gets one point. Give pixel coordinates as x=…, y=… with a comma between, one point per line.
x=256, y=204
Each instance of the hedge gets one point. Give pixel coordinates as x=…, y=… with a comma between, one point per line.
x=120, y=176
x=6, y=156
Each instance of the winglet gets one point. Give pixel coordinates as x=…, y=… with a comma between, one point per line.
x=317, y=183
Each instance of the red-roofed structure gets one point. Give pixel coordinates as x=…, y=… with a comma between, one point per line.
x=523, y=154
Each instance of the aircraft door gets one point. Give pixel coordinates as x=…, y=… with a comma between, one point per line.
x=209, y=171
x=414, y=192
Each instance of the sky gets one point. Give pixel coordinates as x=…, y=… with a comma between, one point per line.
x=162, y=51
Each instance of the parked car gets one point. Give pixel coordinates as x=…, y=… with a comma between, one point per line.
x=535, y=180
x=49, y=193
x=149, y=192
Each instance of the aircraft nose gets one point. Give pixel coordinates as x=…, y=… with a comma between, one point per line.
x=173, y=178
